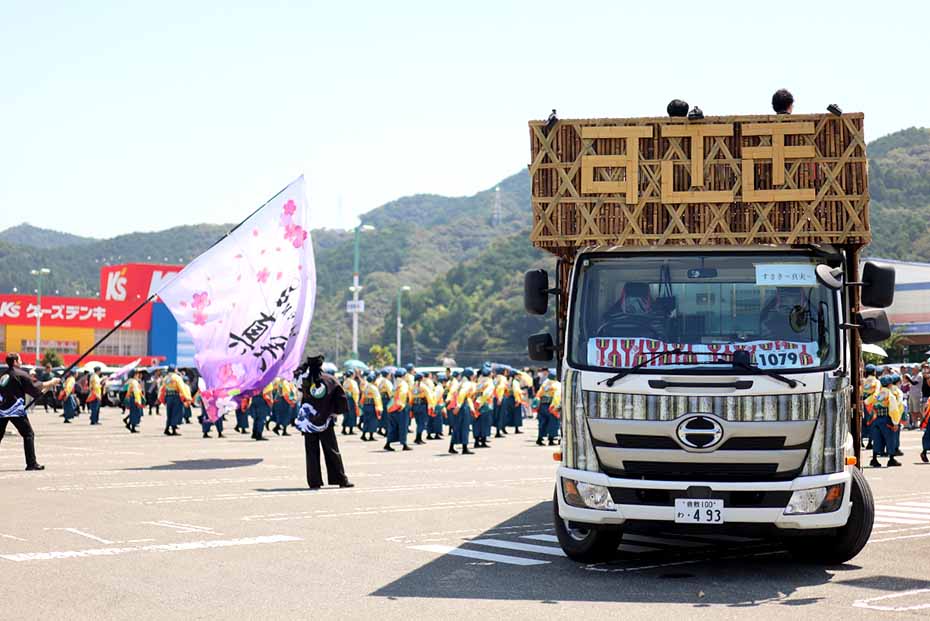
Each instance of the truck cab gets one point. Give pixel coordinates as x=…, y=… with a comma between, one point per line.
x=709, y=385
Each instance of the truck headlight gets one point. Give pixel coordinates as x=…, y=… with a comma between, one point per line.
x=817, y=500
x=587, y=495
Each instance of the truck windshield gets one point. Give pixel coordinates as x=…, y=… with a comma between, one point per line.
x=628, y=308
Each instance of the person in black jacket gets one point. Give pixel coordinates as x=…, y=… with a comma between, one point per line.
x=15, y=385
x=323, y=399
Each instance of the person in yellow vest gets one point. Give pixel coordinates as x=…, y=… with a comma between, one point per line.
x=283, y=404
x=452, y=389
x=423, y=402
x=371, y=405
x=886, y=415
x=170, y=394
x=520, y=401
x=386, y=388
x=261, y=410
x=94, y=396
x=484, y=406
x=135, y=399
x=434, y=426
x=504, y=403
x=399, y=412
x=869, y=387
x=68, y=398
x=462, y=412
x=549, y=391
x=350, y=418
x=902, y=402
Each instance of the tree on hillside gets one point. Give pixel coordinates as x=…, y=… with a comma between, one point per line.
x=51, y=358
x=380, y=357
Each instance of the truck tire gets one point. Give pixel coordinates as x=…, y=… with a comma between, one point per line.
x=849, y=540
x=585, y=545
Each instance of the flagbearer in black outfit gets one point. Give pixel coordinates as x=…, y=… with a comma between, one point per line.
x=323, y=399
x=15, y=384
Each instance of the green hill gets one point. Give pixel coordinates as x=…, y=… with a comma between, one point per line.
x=27, y=235
x=899, y=184
x=474, y=312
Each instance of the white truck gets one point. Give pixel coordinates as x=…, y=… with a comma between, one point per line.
x=711, y=379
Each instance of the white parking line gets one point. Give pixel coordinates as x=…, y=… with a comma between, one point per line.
x=916, y=504
x=899, y=518
x=519, y=547
x=869, y=603
x=920, y=536
x=901, y=508
x=13, y=537
x=83, y=534
x=163, y=547
x=547, y=538
x=183, y=528
x=481, y=556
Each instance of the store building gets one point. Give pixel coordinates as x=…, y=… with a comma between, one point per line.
x=69, y=326
x=910, y=313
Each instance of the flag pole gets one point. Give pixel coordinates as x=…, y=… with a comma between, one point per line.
x=122, y=321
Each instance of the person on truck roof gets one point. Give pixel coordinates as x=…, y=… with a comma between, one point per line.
x=783, y=101
x=677, y=107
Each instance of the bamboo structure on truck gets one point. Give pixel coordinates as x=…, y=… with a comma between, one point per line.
x=717, y=181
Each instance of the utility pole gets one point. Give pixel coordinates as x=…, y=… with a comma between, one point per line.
x=356, y=287
x=39, y=273
x=400, y=324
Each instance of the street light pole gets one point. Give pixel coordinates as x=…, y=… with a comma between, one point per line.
x=355, y=285
x=39, y=273
x=400, y=324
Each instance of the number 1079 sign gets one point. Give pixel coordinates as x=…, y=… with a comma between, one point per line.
x=698, y=511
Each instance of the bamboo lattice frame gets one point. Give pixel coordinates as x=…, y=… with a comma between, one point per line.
x=717, y=181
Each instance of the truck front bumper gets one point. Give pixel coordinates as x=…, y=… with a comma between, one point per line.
x=665, y=511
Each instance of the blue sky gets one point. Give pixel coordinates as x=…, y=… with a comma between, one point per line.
x=116, y=117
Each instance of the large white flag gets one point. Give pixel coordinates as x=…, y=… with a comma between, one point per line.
x=247, y=302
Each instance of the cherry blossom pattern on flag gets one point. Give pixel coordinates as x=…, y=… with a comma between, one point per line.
x=248, y=301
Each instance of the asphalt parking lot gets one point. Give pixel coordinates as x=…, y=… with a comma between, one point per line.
x=149, y=527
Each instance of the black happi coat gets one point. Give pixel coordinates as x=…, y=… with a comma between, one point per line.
x=333, y=402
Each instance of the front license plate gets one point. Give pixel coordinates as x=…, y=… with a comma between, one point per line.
x=698, y=511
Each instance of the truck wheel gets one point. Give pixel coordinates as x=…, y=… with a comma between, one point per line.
x=849, y=540
x=585, y=545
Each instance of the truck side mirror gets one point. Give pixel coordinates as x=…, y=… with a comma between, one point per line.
x=536, y=293
x=540, y=347
x=873, y=325
x=877, y=285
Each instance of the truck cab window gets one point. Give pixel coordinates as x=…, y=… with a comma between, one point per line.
x=636, y=306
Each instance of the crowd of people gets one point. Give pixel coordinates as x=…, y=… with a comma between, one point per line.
x=467, y=405
x=895, y=401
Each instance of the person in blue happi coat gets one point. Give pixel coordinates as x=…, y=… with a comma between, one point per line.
x=261, y=410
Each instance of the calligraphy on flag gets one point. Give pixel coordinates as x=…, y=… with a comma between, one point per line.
x=247, y=302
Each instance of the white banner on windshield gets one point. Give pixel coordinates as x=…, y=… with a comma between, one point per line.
x=628, y=352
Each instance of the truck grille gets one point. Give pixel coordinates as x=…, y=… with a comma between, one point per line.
x=686, y=471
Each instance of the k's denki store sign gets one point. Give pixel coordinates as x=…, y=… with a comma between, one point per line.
x=134, y=282
x=71, y=312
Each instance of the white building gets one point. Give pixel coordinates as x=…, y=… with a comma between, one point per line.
x=910, y=313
